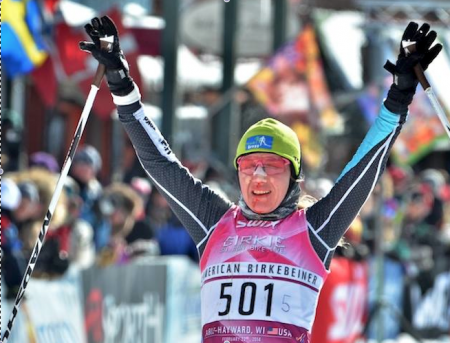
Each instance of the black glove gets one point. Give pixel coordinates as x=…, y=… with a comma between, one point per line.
x=110, y=55
x=402, y=91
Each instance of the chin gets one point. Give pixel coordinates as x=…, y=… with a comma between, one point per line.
x=261, y=210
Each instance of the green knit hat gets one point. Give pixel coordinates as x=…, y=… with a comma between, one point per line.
x=270, y=135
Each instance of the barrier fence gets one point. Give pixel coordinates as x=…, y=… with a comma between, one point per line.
x=154, y=300
x=148, y=301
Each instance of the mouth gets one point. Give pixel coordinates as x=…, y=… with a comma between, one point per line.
x=260, y=193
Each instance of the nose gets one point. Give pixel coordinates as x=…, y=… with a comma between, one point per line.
x=259, y=171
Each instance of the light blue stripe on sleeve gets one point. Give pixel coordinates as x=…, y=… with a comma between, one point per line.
x=384, y=124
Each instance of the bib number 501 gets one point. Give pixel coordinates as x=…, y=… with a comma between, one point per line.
x=249, y=288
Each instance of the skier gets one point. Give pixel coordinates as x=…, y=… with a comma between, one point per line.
x=263, y=260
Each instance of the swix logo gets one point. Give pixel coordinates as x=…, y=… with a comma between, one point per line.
x=256, y=223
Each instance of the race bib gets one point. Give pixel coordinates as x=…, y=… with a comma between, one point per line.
x=259, y=291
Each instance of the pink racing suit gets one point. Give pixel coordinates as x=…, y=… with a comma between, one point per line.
x=260, y=280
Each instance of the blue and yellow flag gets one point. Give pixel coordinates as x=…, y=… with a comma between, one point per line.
x=22, y=47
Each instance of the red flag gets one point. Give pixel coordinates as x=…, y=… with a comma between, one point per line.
x=72, y=58
x=45, y=81
x=68, y=61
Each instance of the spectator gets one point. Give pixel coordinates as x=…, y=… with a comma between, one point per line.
x=28, y=216
x=13, y=262
x=30, y=207
x=436, y=180
x=218, y=182
x=85, y=167
x=12, y=139
x=159, y=211
x=82, y=248
x=120, y=205
x=44, y=160
x=53, y=256
x=141, y=240
x=173, y=239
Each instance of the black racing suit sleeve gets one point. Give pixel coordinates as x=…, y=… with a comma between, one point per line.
x=197, y=206
x=330, y=217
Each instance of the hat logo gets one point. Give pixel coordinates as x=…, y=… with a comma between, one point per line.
x=257, y=142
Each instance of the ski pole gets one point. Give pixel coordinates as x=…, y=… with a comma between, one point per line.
x=54, y=200
x=420, y=74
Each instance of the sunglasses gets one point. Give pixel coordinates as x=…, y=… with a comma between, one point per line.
x=272, y=165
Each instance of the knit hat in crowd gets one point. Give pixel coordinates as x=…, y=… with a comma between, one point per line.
x=44, y=160
x=89, y=155
x=29, y=190
x=10, y=194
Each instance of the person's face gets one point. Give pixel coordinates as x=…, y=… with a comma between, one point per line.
x=264, y=181
x=83, y=172
x=27, y=210
x=418, y=207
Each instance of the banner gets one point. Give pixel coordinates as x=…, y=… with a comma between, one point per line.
x=342, y=310
x=125, y=303
x=384, y=312
x=183, y=302
x=146, y=301
x=432, y=314
x=293, y=89
x=151, y=300
x=51, y=312
x=158, y=301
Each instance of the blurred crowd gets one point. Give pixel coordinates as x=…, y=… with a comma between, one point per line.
x=93, y=224
x=412, y=213
x=407, y=218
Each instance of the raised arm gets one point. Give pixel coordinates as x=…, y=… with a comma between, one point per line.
x=196, y=205
x=330, y=217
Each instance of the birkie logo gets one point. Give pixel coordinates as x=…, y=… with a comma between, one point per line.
x=257, y=142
